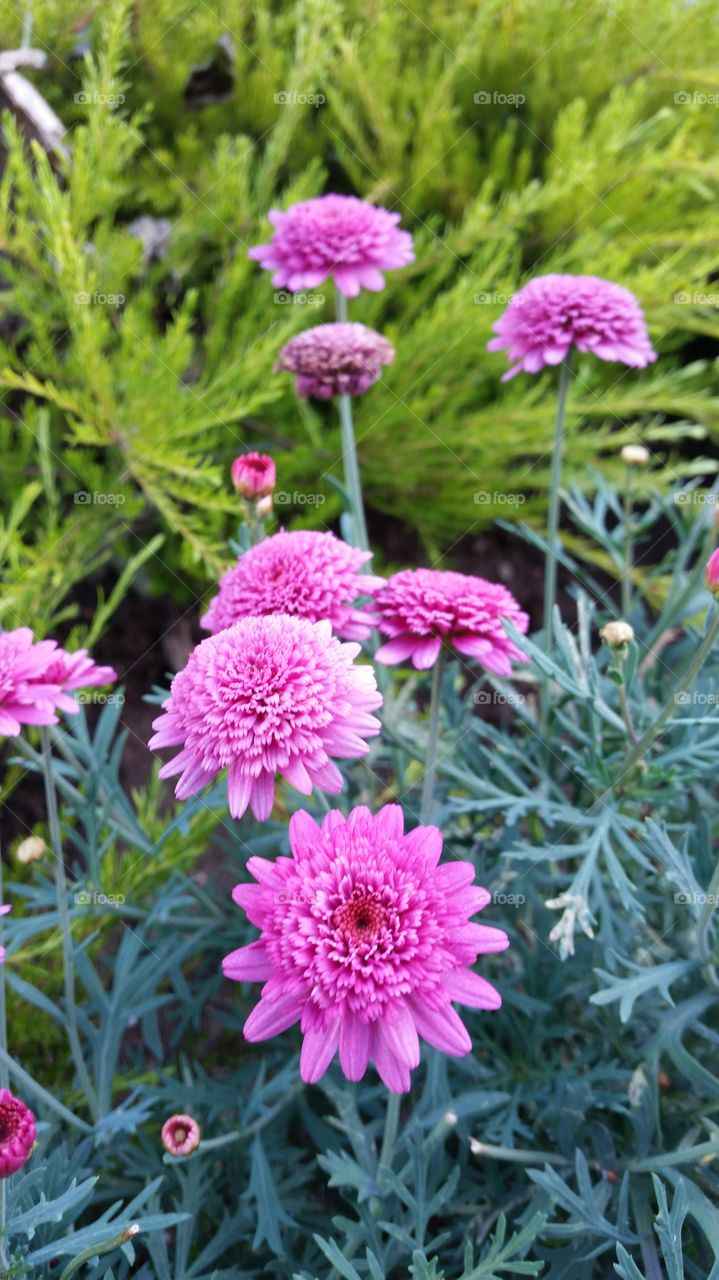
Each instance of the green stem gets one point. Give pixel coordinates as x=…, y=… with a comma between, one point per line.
x=87, y=1254
x=703, y=928
x=353, y=483
x=702, y=653
x=391, y=1122
x=516, y=1155
x=430, y=768
x=628, y=547
x=550, y=565
x=31, y=1086
x=65, y=927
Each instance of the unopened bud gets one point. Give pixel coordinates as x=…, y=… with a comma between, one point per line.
x=254, y=475
x=617, y=634
x=31, y=849
x=635, y=455
x=181, y=1135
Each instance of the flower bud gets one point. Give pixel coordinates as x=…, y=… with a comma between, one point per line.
x=617, y=635
x=181, y=1135
x=31, y=849
x=712, y=573
x=254, y=475
x=635, y=455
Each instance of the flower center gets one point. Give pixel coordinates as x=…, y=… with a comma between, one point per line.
x=361, y=917
x=180, y=1134
x=8, y=1122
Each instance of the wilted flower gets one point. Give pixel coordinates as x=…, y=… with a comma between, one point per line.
x=267, y=696
x=17, y=1133
x=181, y=1135
x=334, y=235
x=712, y=572
x=31, y=849
x=304, y=573
x=635, y=455
x=420, y=609
x=575, y=913
x=254, y=475
x=618, y=634
x=553, y=313
x=366, y=942
x=335, y=359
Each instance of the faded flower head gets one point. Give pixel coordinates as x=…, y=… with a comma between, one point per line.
x=635, y=455
x=617, y=634
x=304, y=573
x=554, y=313
x=254, y=475
x=17, y=1133
x=366, y=942
x=712, y=573
x=420, y=609
x=335, y=359
x=31, y=849
x=267, y=696
x=334, y=235
x=181, y=1135
x=575, y=915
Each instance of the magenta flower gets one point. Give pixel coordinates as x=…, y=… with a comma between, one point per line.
x=4, y=908
x=267, y=696
x=307, y=574
x=556, y=312
x=712, y=572
x=420, y=609
x=335, y=359
x=333, y=235
x=25, y=696
x=366, y=942
x=181, y=1135
x=74, y=671
x=254, y=475
x=17, y=1133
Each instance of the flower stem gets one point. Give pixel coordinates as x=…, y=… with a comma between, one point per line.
x=391, y=1122
x=353, y=484
x=628, y=547
x=550, y=567
x=4, y=1075
x=65, y=927
x=702, y=653
x=430, y=768
x=704, y=928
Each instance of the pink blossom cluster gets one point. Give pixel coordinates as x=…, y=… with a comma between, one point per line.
x=37, y=677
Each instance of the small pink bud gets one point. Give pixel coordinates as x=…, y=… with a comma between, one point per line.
x=17, y=1133
x=180, y=1135
x=254, y=475
x=712, y=573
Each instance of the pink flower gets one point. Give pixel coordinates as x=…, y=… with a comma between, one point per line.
x=254, y=475
x=333, y=235
x=712, y=572
x=17, y=1133
x=335, y=359
x=307, y=574
x=556, y=312
x=266, y=696
x=181, y=1135
x=420, y=609
x=366, y=942
x=26, y=697
x=3, y=912
x=75, y=671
